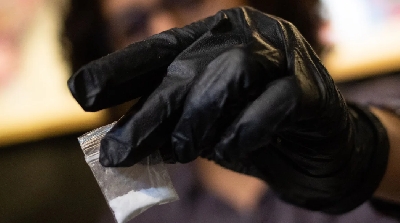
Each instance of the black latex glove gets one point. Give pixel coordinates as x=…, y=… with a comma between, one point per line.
x=246, y=90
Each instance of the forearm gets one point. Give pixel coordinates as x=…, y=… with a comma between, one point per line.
x=389, y=188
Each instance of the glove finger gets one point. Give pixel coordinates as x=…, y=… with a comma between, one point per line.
x=149, y=124
x=255, y=127
x=229, y=83
x=140, y=132
x=133, y=71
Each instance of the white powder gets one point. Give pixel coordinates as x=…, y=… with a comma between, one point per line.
x=131, y=204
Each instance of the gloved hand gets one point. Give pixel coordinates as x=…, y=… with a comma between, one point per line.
x=246, y=90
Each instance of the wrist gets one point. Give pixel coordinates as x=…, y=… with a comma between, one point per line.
x=389, y=186
x=369, y=159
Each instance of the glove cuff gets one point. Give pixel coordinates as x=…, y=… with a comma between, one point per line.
x=371, y=136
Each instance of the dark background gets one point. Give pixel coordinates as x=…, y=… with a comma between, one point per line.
x=49, y=181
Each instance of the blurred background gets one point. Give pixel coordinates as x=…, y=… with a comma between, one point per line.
x=364, y=35
x=34, y=99
x=44, y=177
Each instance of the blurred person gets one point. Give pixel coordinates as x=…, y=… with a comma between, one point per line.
x=210, y=193
x=15, y=18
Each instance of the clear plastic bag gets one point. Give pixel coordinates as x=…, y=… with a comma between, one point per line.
x=128, y=190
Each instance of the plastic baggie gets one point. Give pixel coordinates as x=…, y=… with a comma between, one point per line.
x=128, y=190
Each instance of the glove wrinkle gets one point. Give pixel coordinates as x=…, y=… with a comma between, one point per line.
x=229, y=82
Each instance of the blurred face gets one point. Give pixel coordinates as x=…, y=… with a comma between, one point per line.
x=15, y=18
x=133, y=20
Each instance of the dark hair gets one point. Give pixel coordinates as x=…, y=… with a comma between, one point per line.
x=304, y=14
x=86, y=34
